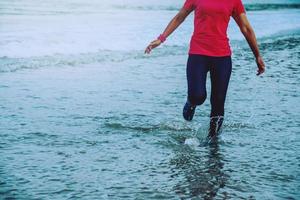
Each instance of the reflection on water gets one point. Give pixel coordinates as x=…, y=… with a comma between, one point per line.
x=203, y=171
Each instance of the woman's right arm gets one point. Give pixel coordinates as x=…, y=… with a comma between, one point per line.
x=173, y=24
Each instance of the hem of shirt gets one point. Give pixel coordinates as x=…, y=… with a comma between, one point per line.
x=209, y=54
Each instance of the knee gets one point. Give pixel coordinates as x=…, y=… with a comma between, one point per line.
x=197, y=99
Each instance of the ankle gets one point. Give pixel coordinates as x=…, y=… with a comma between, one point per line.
x=192, y=105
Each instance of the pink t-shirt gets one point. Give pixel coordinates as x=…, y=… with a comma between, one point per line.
x=210, y=25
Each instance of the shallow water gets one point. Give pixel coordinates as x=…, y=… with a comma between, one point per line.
x=85, y=115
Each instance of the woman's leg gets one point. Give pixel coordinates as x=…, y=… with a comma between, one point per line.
x=196, y=71
x=220, y=72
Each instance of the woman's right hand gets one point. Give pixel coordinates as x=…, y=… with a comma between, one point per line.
x=152, y=45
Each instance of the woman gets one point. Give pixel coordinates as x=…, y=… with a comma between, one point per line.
x=210, y=51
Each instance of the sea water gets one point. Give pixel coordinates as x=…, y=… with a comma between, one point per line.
x=84, y=114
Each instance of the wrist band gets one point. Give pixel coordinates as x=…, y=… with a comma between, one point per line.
x=162, y=38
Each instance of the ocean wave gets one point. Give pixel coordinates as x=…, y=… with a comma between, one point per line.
x=283, y=43
x=49, y=8
x=174, y=127
x=8, y=64
x=70, y=9
x=268, y=6
x=280, y=41
x=248, y=7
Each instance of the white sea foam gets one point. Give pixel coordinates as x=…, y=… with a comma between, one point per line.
x=192, y=142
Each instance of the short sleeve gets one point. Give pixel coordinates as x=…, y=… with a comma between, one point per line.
x=189, y=5
x=238, y=8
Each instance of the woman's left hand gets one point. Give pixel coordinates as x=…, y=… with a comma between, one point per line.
x=260, y=65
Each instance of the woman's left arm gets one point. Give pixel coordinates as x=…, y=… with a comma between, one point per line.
x=249, y=34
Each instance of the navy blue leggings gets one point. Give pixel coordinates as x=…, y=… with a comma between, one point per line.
x=220, y=71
